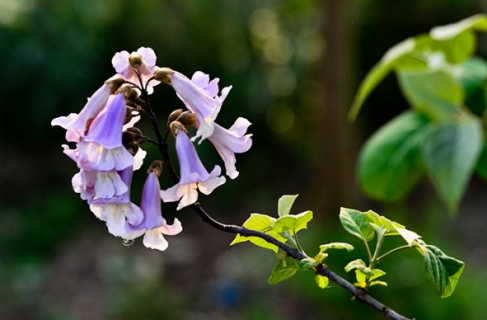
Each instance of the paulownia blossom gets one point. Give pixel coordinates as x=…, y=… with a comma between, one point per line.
x=193, y=175
x=98, y=184
x=102, y=149
x=231, y=141
x=119, y=212
x=154, y=225
x=144, y=58
x=199, y=94
x=77, y=124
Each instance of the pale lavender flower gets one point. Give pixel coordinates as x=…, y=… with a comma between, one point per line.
x=231, y=141
x=102, y=149
x=154, y=225
x=120, y=62
x=98, y=184
x=200, y=95
x=77, y=124
x=119, y=212
x=193, y=175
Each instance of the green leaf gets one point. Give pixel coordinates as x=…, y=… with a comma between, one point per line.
x=442, y=270
x=322, y=281
x=433, y=93
x=283, y=270
x=356, y=223
x=307, y=263
x=285, y=204
x=293, y=223
x=392, y=228
x=378, y=283
x=336, y=245
x=263, y=223
x=472, y=76
x=358, y=264
x=391, y=58
x=481, y=168
x=451, y=152
x=475, y=23
x=374, y=274
x=390, y=164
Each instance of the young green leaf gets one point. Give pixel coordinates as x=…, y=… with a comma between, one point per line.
x=285, y=204
x=358, y=264
x=322, y=281
x=451, y=153
x=293, y=223
x=263, y=223
x=392, y=228
x=283, y=270
x=366, y=280
x=432, y=92
x=307, y=263
x=391, y=58
x=336, y=245
x=356, y=223
x=442, y=270
x=390, y=163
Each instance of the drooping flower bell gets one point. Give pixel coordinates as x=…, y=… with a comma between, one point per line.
x=102, y=148
x=98, y=184
x=144, y=60
x=199, y=94
x=154, y=225
x=77, y=124
x=119, y=211
x=193, y=175
x=231, y=141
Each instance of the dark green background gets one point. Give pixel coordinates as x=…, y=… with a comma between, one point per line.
x=294, y=66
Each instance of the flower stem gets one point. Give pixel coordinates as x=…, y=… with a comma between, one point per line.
x=385, y=255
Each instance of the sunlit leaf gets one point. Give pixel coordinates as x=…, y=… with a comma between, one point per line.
x=322, y=281
x=263, y=223
x=358, y=264
x=285, y=204
x=451, y=153
x=356, y=223
x=475, y=23
x=390, y=163
x=283, y=270
x=293, y=223
x=336, y=245
x=433, y=93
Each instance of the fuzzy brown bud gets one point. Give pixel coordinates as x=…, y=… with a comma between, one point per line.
x=174, y=116
x=156, y=167
x=115, y=83
x=164, y=75
x=135, y=60
x=188, y=119
x=175, y=127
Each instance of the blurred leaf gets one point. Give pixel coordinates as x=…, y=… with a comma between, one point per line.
x=392, y=57
x=390, y=164
x=472, y=75
x=283, y=270
x=475, y=23
x=433, y=93
x=307, y=263
x=374, y=274
x=451, y=152
x=356, y=223
x=442, y=270
x=322, y=281
x=481, y=168
x=336, y=245
x=285, y=204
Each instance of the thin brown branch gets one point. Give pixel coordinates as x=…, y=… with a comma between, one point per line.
x=360, y=294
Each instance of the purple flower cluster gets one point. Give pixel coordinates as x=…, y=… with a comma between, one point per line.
x=107, y=163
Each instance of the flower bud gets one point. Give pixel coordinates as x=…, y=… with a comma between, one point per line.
x=114, y=83
x=188, y=119
x=156, y=167
x=164, y=75
x=175, y=127
x=131, y=94
x=135, y=60
x=174, y=115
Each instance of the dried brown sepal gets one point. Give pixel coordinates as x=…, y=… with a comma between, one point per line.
x=175, y=127
x=164, y=75
x=115, y=83
x=156, y=167
x=174, y=116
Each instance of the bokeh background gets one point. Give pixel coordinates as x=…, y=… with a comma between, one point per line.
x=294, y=66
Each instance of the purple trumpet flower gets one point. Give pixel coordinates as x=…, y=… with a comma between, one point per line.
x=193, y=175
x=200, y=95
x=98, y=184
x=231, y=141
x=119, y=212
x=154, y=225
x=77, y=124
x=102, y=149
